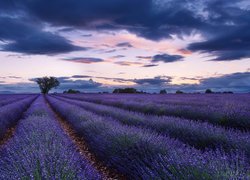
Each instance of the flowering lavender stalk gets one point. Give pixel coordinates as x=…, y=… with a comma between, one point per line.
x=225, y=110
x=11, y=99
x=142, y=154
x=11, y=113
x=41, y=150
x=201, y=135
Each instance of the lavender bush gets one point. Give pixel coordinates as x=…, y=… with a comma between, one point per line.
x=41, y=150
x=11, y=99
x=201, y=135
x=225, y=110
x=11, y=113
x=142, y=154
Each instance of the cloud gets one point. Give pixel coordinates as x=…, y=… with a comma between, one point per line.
x=146, y=18
x=226, y=34
x=237, y=82
x=27, y=38
x=84, y=60
x=124, y=44
x=87, y=35
x=118, y=56
x=232, y=44
x=150, y=65
x=128, y=63
x=14, y=77
x=19, y=88
x=166, y=58
x=158, y=81
x=79, y=84
x=110, y=51
x=80, y=76
x=150, y=19
x=144, y=57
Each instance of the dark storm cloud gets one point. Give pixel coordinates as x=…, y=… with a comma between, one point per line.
x=84, y=60
x=147, y=18
x=232, y=44
x=124, y=44
x=22, y=37
x=166, y=58
x=223, y=24
x=227, y=31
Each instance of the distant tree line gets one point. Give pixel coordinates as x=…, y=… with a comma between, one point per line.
x=128, y=91
x=71, y=91
x=209, y=91
x=48, y=83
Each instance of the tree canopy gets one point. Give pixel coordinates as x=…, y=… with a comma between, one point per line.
x=47, y=83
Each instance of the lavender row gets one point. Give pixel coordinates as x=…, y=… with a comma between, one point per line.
x=228, y=115
x=11, y=99
x=4, y=97
x=41, y=150
x=142, y=154
x=199, y=135
x=217, y=100
x=11, y=113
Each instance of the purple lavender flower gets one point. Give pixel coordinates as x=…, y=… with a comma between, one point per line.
x=41, y=150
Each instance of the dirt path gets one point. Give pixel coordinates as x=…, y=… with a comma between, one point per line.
x=9, y=134
x=83, y=149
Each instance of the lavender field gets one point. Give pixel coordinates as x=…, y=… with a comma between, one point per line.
x=125, y=136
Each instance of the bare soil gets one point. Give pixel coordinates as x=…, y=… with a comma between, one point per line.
x=82, y=147
x=9, y=134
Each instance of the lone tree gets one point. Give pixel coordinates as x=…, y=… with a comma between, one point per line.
x=47, y=83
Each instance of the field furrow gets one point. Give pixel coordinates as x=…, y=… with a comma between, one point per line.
x=141, y=153
x=11, y=113
x=201, y=135
x=40, y=149
x=12, y=99
x=226, y=114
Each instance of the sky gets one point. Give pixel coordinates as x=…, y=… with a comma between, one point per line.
x=96, y=46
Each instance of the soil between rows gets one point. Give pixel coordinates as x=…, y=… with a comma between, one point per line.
x=83, y=149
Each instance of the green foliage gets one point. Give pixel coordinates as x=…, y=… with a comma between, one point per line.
x=126, y=90
x=71, y=91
